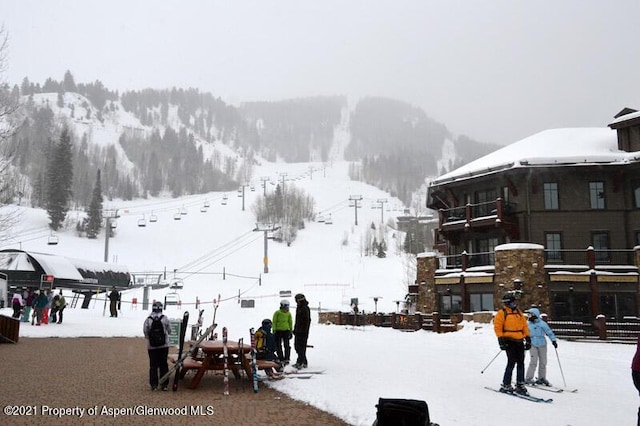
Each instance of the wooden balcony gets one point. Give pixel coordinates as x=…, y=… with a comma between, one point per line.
x=492, y=214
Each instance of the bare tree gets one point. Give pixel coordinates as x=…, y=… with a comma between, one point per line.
x=8, y=126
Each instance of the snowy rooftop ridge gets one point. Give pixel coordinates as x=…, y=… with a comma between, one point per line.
x=549, y=147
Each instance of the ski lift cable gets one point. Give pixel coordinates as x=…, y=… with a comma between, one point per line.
x=259, y=237
x=220, y=256
x=214, y=252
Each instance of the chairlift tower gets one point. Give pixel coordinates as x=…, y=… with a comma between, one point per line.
x=266, y=228
x=381, y=202
x=109, y=216
x=264, y=181
x=355, y=199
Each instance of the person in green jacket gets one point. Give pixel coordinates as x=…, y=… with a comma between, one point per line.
x=283, y=330
x=62, y=304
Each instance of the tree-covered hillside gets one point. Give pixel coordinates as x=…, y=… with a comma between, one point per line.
x=183, y=141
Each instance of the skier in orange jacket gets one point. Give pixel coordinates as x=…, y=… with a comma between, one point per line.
x=510, y=325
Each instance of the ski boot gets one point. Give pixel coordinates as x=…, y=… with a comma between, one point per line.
x=543, y=382
x=506, y=388
x=521, y=389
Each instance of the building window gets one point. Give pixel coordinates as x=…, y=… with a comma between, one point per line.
x=596, y=195
x=485, y=202
x=451, y=304
x=638, y=238
x=600, y=243
x=551, y=196
x=485, y=252
x=554, y=246
x=636, y=197
x=481, y=302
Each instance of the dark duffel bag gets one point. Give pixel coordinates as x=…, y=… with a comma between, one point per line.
x=402, y=412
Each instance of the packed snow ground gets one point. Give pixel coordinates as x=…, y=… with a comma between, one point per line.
x=327, y=264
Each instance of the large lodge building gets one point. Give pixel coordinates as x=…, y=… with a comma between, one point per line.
x=556, y=215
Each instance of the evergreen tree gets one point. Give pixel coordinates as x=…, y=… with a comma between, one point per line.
x=69, y=85
x=95, y=210
x=59, y=180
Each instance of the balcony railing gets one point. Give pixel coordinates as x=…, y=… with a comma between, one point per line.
x=496, y=210
x=588, y=258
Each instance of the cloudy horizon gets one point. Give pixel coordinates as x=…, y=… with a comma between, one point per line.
x=497, y=72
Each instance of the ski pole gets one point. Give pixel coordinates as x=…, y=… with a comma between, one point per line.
x=491, y=362
x=560, y=365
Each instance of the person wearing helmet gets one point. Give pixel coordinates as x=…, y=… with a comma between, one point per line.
x=282, y=329
x=538, y=352
x=266, y=346
x=301, y=330
x=510, y=326
x=156, y=330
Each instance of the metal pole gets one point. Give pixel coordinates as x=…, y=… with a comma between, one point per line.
x=106, y=239
x=490, y=362
x=560, y=365
x=266, y=258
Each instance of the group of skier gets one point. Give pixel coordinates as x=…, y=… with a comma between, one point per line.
x=273, y=336
x=516, y=334
x=40, y=305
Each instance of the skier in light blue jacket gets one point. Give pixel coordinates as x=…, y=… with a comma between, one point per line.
x=537, y=329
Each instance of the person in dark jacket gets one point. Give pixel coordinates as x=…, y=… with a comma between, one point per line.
x=114, y=298
x=39, y=304
x=158, y=366
x=301, y=330
x=266, y=346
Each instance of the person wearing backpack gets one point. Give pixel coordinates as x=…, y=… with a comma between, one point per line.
x=266, y=346
x=510, y=326
x=156, y=330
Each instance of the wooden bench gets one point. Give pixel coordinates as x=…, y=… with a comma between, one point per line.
x=189, y=363
x=262, y=364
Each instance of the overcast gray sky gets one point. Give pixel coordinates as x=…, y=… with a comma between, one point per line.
x=496, y=70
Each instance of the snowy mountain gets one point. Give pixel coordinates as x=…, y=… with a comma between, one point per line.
x=184, y=142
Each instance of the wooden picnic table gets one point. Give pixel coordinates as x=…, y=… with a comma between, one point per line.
x=213, y=359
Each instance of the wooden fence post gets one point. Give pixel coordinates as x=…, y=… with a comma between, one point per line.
x=601, y=326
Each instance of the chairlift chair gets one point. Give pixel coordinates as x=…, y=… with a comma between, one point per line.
x=171, y=299
x=207, y=204
x=177, y=284
x=142, y=222
x=177, y=216
x=53, y=240
x=113, y=223
x=203, y=209
x=153, y=218
x=184, y=211
x=328, y=221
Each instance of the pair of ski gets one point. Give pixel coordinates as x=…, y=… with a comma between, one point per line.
x=553, y=389
x=190, y=353
x=297, y=374
x=522, y=396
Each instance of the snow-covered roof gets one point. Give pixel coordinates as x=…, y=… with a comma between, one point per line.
x=554, y=147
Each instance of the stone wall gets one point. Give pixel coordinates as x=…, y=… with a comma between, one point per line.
x=521, y=267
x=426, y=266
